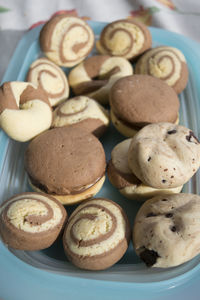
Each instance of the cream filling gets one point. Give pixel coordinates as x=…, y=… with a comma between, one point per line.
x=102, y=224
x=80, y=109
x=25, y=206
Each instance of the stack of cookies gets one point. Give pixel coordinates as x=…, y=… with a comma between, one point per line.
x=63, y=118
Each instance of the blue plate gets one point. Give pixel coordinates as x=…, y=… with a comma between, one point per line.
x=47, y=274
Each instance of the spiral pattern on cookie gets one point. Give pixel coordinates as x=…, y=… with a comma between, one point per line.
x=66, y=40
x=95, y=228
x=166, y=63
x=125, y=38
x=50, y=78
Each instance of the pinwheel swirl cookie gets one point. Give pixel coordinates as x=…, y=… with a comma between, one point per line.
x=68, y=163
x=164, y=155
x=97, y=74
x=66, y=40
x=122, y=177
x=51, y=78
x=166, y=230
x=82, y=112
x=166, y=63
x=97, y=234
x=24, y=110
x=31, y=221
x=126, y=38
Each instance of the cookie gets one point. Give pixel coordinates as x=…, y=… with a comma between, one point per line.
x=31, y=221
x=139, y=100
x=66, y=40
x=166, y=230
x=68, y=163
x=82, y=112
x=166, y=63
x=48, y=76
x=97, y=234
x=126, y=38
x=164, y=155
x=24, y=110
x=121, y=176
x=96, y=75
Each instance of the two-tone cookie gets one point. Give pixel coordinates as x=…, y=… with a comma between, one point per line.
x=25, y=110
x=68, y=163
x=97, y=234
x=166, y=63
x=51, y=78
x=66, y=40
x=126, y=38
x=122, y=177
x=82, y=112
x=139, y=100
x=31, y=221
x=164, y=155
x=166, y=230
x=96, y=75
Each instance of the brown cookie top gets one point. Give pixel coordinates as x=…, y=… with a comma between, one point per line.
x=65, y=160
x=142, y=99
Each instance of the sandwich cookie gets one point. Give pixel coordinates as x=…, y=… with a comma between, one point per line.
x=126, y=38
x=97, y=234
x=82, y=112
x=96, y=75
x=164, y=155
x=166, y=63
x=139, y=100
x=122, y=177
x=66, y=40
x=51, y=78
x=25, y=110
x=166, y=230
x=68, y=163
x=31, y=221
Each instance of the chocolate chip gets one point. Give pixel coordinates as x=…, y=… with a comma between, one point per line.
x=163, y=181
x=169, y=215
x=149, y=158
x=149, y=257
x=190, y=136
x=173, y=228
x=150, y=215
x=164, y=199
x=171, y=131
x=165, y=170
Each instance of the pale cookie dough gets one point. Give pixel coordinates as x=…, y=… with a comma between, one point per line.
x=66, y=40
x=83, y=112
x=121, y=176
x=166, y=230
x=166, y=63
x=97, y=234
x=126, y=38
x=31, y=221
x=164, y=155
x=51, y=78
x=24, y=110
x=96, y=75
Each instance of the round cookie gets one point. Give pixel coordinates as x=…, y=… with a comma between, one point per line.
x=97, y=234
x=96, y=75
x=31, y=221
x=139, y=100
x=82, y=112
x=48, y=76
x=166, y=230
x=126, y=38
x=121, y=176
x=164, y=155
x=68, y=163
x=166, y=63
x=66, y=40
x=24, y=110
